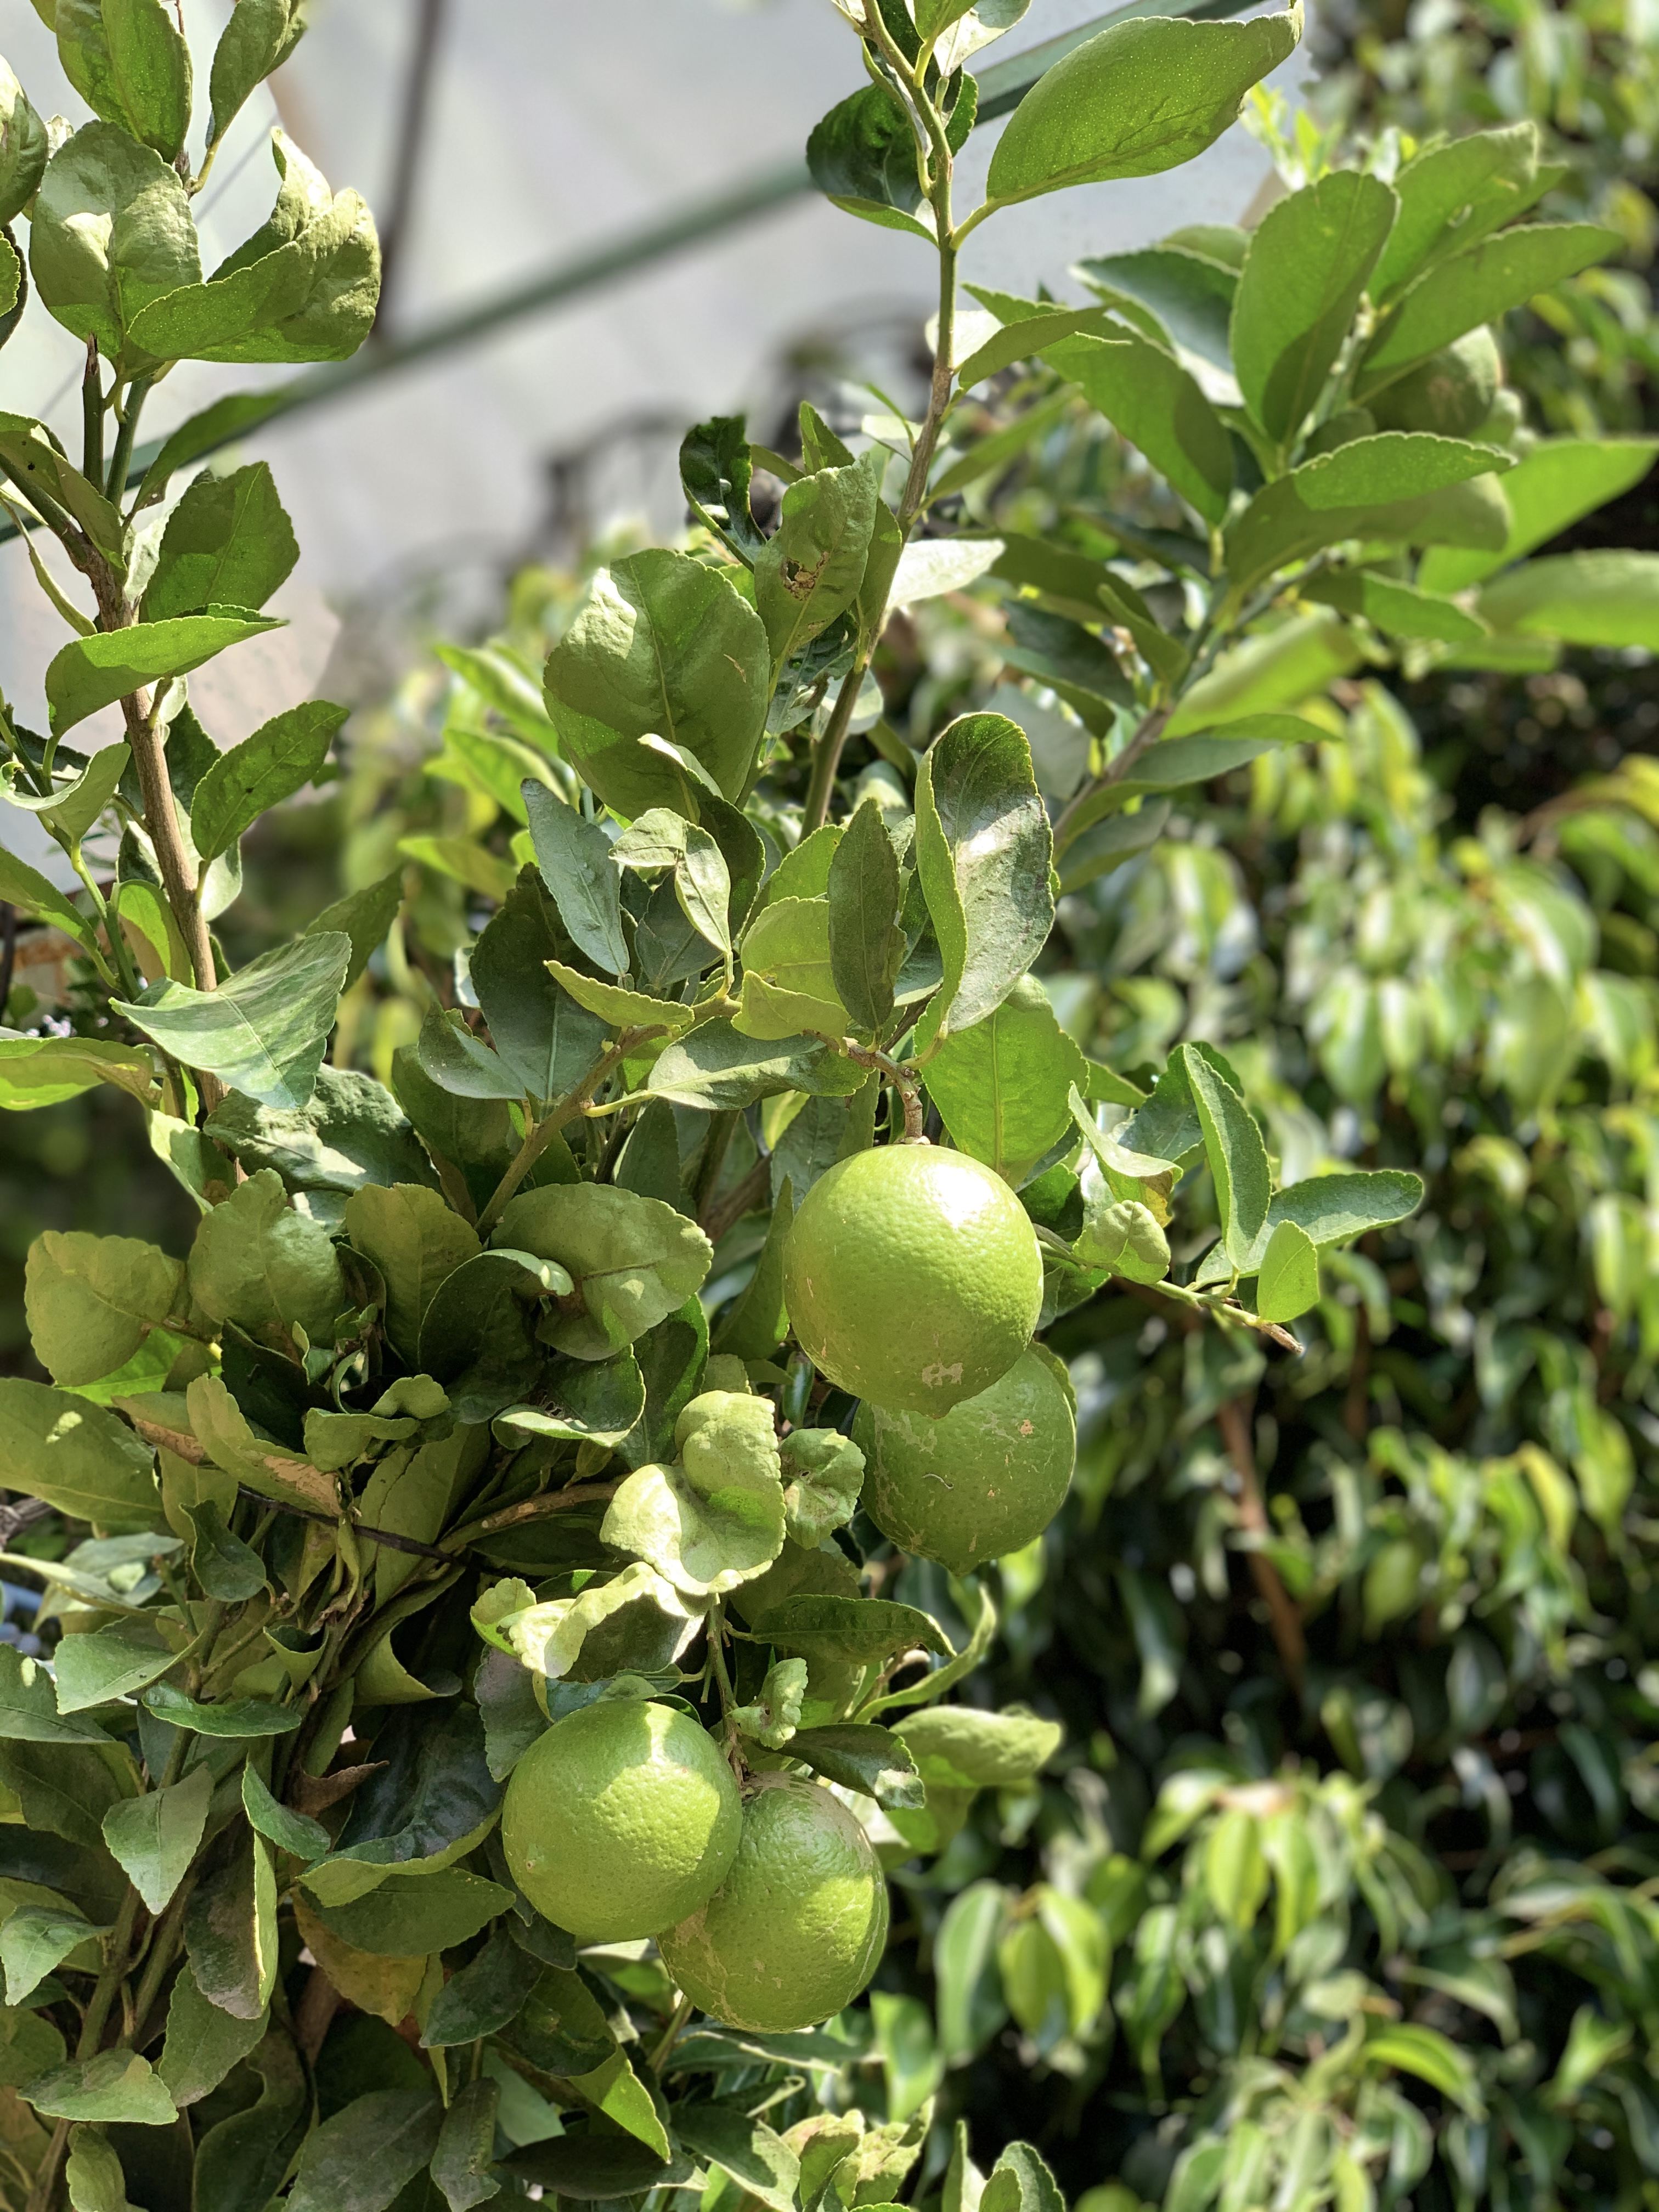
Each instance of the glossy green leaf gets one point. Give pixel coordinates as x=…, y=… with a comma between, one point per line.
x=224, y=1717
x=25, y=887
x=865, y=941
x=228, y=543
x=92, y=2174
x=28, y=1706
x=258, y=37
x=1399, y=609
x=1309, y=262
x=280, y=758
x=129, y=62
x=92, y=1300
x=1379, y=487
x=1606, y=599
x=863, y=157
x=1236, y=1153
x=1288, y=1279
x=110, y=232
x=855, y=1630
x=102, y=1664
x=1157, y=405
x=263, y=1030
x=1478, y=286
x=77, y=1455
x=789, y=984
x=983, y=848
x=667, y=646
x=757, y=2159
x=259, y=1263
x=1553, y=483
x=1001, y=1087
x=416, y=1241
x=22, y=148
x=304, y=287
x=1452, y=195
x=413, y=1914
x=91, y=672
x=203, y=2042
x=35, y=1940
x=632, y=1259
x=546, y=1039
x=294, y=1832
x=575, y=859
x=154, y=1837
x=483, y=1995
x=115, y=2085
x=1137, y=98
x=858, y=1756
x=967, y=1749
x=466, y=2147
x=359, y=2159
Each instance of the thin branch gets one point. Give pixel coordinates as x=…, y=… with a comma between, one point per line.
x=1283, y=1615
x=1145, y=736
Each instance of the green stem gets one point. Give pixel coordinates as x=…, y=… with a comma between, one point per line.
x=717, y=1143
x=826, y=753
x=671, y=2034
x=723, y=1681
x=528, y=1508
x=541, y=1135
x=128, y=974
x=117, y=1948
x=1151, y=730
x=121, y=458
x=44, y=2190
x=92, y=418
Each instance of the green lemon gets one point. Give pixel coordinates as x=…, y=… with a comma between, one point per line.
x=912, y=1276
x=796, y=1929
x=1450, y=393
x=979, y=1482
x=620, y=1820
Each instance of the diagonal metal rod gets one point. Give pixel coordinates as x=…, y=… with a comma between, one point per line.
x=1003, y=85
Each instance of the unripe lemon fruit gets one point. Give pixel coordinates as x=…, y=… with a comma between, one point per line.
x=797, y=1928
x=982, y=1481
x=912, y=1276
x=620, y=1820
x=1450, y=393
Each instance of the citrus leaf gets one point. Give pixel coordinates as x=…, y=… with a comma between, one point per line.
x=715, y=1517
x=1137, y=98
x=280, y=758
x=93, y=672
x=575, y=859
x=262, y=1031
x=1478, y=286
x=1288, y=1278
x=76, y=1455
x=1001, y=1087
x=1306, y=268
x=983, y=848
x=1236, y=1155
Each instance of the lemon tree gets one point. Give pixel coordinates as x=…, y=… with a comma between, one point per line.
x=511, y=1584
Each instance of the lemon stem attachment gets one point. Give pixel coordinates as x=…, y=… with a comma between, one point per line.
x=901, y=1078
x=723, y=1684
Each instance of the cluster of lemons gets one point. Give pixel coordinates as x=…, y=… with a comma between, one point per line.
x=913, y=1280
